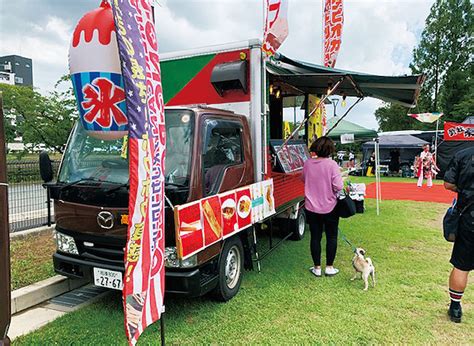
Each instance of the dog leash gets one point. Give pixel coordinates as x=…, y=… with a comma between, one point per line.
x=343, y=237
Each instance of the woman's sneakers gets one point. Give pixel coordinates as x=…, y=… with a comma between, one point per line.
x=331, y=271
x=315, y=271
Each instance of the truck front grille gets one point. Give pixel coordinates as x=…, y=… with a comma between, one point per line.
x=98, y=251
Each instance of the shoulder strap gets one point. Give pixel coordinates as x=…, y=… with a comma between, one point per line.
x=466, y=207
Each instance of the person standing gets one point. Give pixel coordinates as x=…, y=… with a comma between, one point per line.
x=426, y=167
x=459, y=177
x=340, y=158
x=395, y=160
x=371, y=165
x=322, y=183
x=351, y=159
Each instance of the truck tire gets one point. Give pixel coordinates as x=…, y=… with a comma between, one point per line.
x=298, y=225
x=231, y=264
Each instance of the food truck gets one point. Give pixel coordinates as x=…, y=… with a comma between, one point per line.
x=229, y=173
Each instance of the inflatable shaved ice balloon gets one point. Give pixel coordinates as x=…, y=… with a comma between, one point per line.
x=96, y=75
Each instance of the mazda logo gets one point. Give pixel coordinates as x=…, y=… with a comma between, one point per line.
x=105, y=220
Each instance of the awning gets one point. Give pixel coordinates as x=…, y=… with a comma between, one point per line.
x=347, y=127
x=314, y=79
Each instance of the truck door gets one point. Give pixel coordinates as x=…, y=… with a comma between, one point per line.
x=222, y=156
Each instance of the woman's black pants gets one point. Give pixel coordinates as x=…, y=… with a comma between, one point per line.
x=319, y=223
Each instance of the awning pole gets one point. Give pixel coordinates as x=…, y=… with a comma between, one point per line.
x=321, y=102
x=347, y=112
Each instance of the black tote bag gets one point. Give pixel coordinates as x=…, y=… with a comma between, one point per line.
x=345, y=206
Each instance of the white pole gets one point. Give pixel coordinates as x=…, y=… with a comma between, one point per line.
x=377, y=178
x=378, y=163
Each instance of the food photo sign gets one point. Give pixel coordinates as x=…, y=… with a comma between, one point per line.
x=211, y=219
x=291, y=157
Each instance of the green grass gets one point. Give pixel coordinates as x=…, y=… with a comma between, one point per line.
x=285, y=304
x=31, y=259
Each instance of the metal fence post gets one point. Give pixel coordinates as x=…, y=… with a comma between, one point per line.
x=5, y=294
x=48, y=203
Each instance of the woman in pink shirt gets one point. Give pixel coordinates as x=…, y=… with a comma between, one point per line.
x=322, y=183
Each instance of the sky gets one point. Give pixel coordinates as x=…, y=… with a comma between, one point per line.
x=378, y=35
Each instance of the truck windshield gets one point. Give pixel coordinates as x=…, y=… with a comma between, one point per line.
x=88, y=159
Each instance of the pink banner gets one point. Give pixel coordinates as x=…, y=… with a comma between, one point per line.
x=276, y=27
x=333, y=24
x=143, y=289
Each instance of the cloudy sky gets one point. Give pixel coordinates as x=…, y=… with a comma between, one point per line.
x=379, y=35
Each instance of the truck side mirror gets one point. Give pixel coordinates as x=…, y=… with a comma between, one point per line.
x=46, y=168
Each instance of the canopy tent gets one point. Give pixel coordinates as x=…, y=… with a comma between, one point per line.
x=469, y=120
x=409, y=146
x=397, y=141
x=347, y=127
x=301, y=77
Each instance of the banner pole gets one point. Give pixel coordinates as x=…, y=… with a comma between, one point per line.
x=162, y=327
x=5, y=293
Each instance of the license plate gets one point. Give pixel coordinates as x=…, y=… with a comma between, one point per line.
x=108, y=278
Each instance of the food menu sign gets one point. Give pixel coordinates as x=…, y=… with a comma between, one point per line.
x=211, y=219
x=291, y=157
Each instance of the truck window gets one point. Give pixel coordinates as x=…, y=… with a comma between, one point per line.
x=222, y=148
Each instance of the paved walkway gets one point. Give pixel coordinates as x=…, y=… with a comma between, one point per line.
x=410, y=192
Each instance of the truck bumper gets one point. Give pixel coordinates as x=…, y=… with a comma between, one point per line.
x=186, y=282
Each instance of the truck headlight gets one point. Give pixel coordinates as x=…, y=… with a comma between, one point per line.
x=171, y=257
x=172, y=261
x=66, y=243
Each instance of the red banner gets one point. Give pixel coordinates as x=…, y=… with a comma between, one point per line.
x=333, y=23
x=276, y=27
x=143, y=289
x=458, y=132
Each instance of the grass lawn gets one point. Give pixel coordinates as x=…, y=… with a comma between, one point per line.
x=31, y=259
x=285, y=304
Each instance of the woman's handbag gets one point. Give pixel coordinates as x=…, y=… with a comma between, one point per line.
x=345, y=206
x=451, y=221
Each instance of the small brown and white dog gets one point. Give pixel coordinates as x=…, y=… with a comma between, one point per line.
x=363, y=266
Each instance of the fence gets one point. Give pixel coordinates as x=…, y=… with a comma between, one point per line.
x=27, y=199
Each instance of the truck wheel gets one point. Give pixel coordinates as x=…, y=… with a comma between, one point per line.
x=298, y=225
x=230, y=270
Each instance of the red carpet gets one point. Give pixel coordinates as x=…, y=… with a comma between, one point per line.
x=410, y=192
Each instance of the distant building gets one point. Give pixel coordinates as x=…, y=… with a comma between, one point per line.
x=17, y=70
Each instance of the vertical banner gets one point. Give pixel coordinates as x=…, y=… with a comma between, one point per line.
x=317, y=121
x=333, y=23
x=144, y=255
x=276, y=25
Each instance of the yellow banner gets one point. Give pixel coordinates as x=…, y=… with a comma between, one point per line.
x=316, y=122
x=286, y=129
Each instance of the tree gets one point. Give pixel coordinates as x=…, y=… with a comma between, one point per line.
x=40, y=119
x=444, y=56
x=393, y=117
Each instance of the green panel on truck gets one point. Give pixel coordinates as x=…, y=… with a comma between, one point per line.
x=175, y=74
